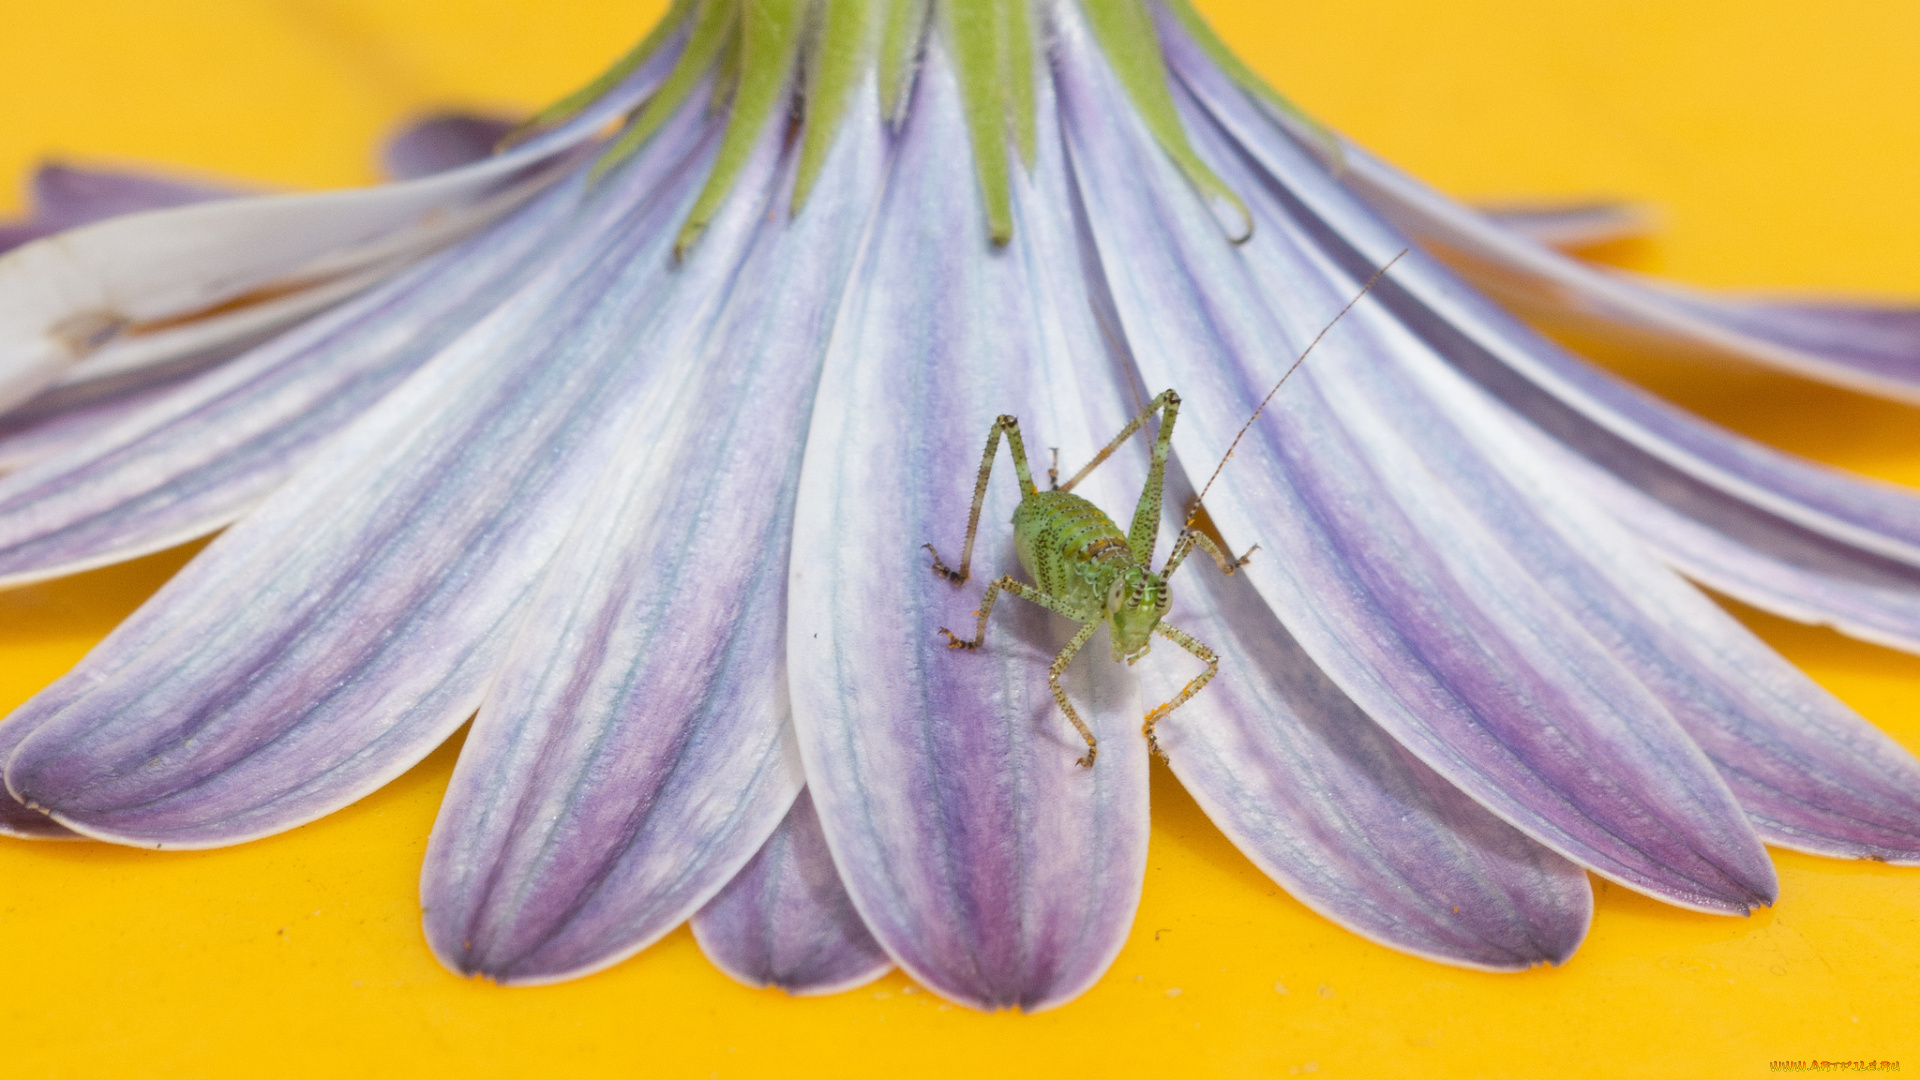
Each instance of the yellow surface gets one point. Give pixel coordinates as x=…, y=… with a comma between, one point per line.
x=1780, y=137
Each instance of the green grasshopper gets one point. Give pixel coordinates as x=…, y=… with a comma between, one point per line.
x=1086, y=569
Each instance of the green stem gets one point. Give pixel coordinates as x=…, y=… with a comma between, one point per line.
x=1317, y=135
x=769, y=41
x=839, y=59
x=1126, y=35
x=568, y=107
x=711, y=30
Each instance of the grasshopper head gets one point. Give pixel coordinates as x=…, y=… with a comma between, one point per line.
x=1135, y=602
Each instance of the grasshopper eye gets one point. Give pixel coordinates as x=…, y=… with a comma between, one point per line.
x=1117, y=595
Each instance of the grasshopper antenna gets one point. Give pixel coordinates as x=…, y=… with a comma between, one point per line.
x=1364, y=290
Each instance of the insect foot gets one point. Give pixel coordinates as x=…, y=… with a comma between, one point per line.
x=1086, y=762
x=1153, y=740
x=941, y=568
x=954, y=642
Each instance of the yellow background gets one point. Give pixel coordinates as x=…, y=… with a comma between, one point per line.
x=1780, y=137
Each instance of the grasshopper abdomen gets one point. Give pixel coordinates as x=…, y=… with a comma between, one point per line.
x=1071, y=549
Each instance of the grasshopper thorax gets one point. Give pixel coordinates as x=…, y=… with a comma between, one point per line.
x=1136, y=599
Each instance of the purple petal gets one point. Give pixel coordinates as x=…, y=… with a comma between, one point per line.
x=434, y=144
x=991, y=867
x=786, y=920
x=16, y=820
x=214, y=447
x=1397, y=584
x=1811, y=773
x=23, y=232
x=1574, y=224
x=67, y=196
x=55, y=423
x=1800, y=535
x=1872, y=355
x=1877, y=517
x=1866, y=337
x=333, y=637
x=635, y=749
x=1343, y=817
x=1746, y=552
x=150, y=288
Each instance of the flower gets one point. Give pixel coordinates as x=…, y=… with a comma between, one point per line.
x=641, y=468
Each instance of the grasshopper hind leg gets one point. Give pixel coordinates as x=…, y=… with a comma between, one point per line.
x=1010, y=427
x=1191, y=644
x=1007, y=583
x=1054, y=671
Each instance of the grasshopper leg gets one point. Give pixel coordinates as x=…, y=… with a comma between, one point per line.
x=1146, y=513
x=1018, y=588
x=1060, y=662
x=1011, y=427
x=1054, y=671
x=1188, y=642
x=1191, y=538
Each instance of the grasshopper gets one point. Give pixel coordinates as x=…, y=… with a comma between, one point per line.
x=1086, y=569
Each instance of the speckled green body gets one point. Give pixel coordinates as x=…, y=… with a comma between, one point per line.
x=1071, y=549
x=1076, y=554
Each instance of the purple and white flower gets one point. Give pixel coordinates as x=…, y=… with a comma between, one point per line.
x=627, y=449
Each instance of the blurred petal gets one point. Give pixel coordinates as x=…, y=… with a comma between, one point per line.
x=350, y=623
x=991, y=868
x=106, y=287
x=71, y=195
x=1573, y=224
x=1873, y=355
x=1868, y=337
x=635, y=749
x=1746, y=552
x=1343, y=817
x=1402, y=589
x=785, y=920
x=64, y=196
x=434, y=144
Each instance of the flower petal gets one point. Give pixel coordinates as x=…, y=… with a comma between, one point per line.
x=217, y=445
x=1872, y=515
x=57, y=421
x=989, y=866
x=1811, y=773
x=1794, y=518
x=786, y=920
x=1875, y=355
x=442, y=141
x=1741, y=550
x=1573, y=224
x=16, y=820
x=66, y=196
x=134, y=283
x=1343, y=817
x=332, y=638
x=635, y=749
x=1398, y=585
